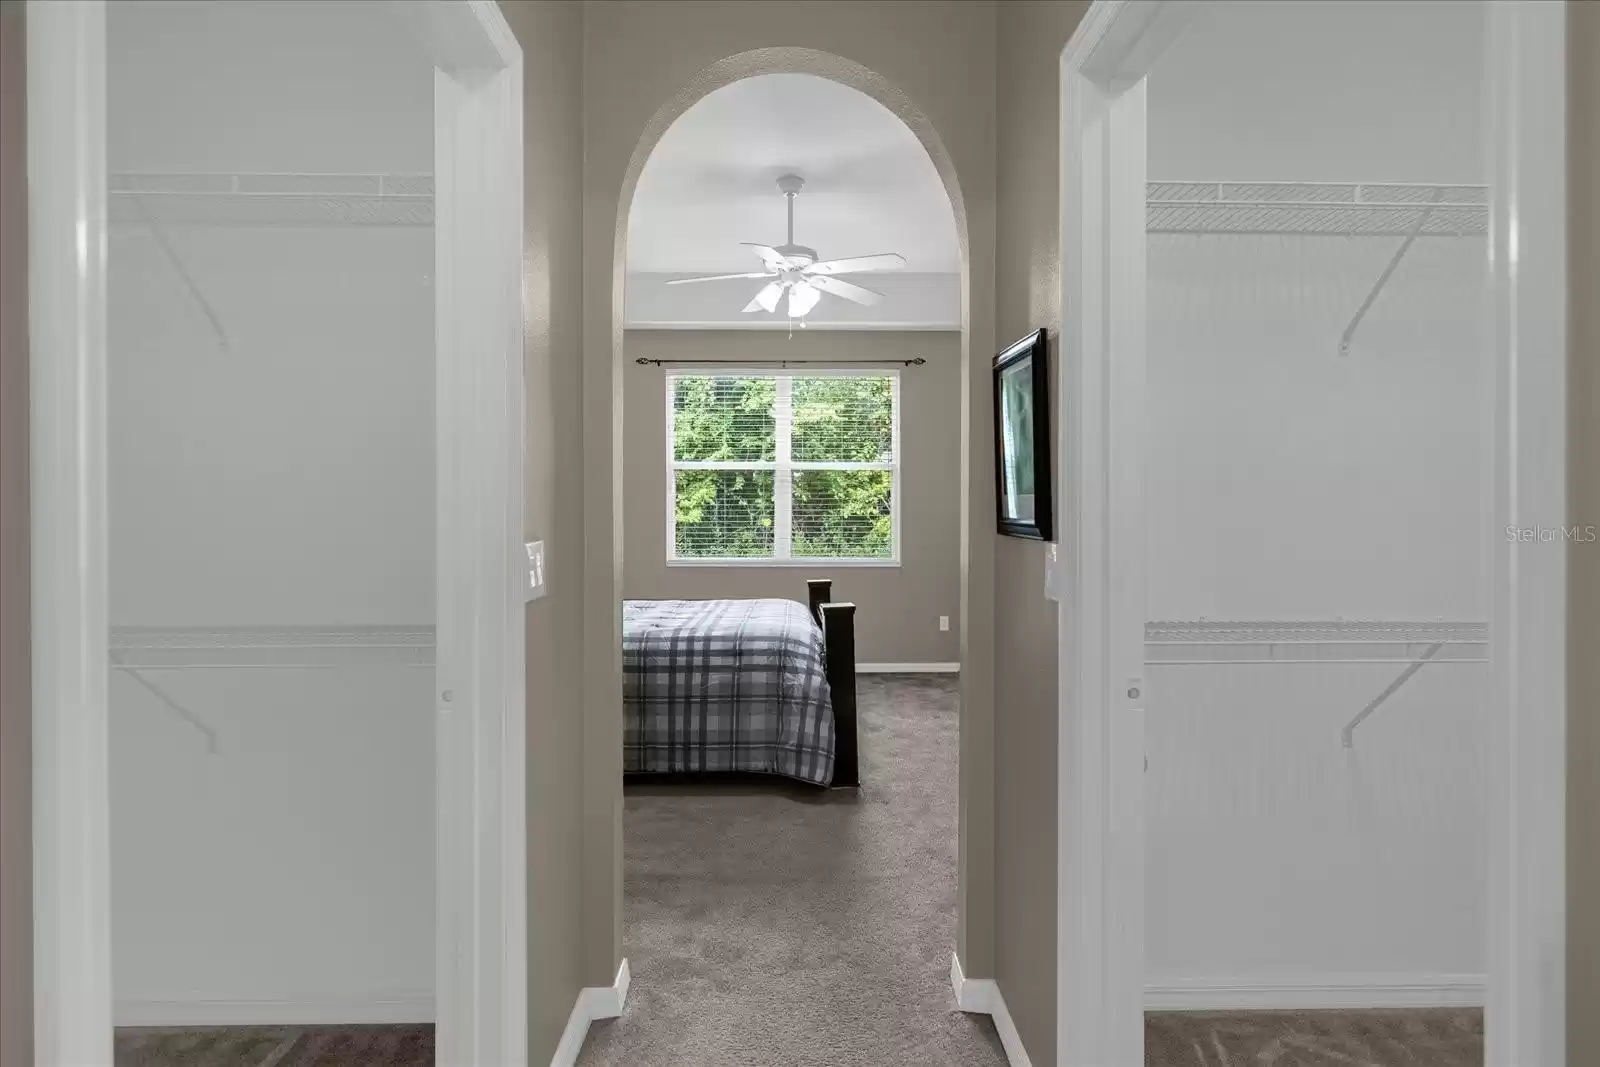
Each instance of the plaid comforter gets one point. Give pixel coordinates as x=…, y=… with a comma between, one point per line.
x=725, y=685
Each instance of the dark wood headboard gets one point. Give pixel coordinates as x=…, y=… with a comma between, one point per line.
x=838, y=624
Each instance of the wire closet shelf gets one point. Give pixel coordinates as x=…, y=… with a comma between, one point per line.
x=1332, y=209
x=1410, y=645
x=292, y=647
x=267, y=199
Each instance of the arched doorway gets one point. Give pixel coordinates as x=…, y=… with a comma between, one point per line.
x=604, y=570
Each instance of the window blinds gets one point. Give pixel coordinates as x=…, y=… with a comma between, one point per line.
x=784, y=466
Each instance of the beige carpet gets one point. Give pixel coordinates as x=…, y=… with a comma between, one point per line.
x=1412, y=1038
x=775, y=925
x=277, y=1046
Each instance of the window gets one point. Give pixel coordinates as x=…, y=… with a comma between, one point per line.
x=783, y=466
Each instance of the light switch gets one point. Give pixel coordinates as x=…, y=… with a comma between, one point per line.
x=1052, y=573
x=535, y=587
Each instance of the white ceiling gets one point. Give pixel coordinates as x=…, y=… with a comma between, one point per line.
x=710, y=183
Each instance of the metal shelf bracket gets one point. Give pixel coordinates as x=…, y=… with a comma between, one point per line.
x=1348, y=734
x=1388, y=272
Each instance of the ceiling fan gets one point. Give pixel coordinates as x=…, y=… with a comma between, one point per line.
x=797, y=274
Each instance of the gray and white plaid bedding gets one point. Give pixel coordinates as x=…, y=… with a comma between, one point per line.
x=725, y=685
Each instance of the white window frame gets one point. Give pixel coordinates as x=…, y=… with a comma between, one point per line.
x=783, y=469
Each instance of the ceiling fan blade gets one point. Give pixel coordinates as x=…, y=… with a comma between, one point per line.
x=766, y=299
x=884, y=261
x=774, y=259
x=802, y=298
x=717, y=278
x=848, y=290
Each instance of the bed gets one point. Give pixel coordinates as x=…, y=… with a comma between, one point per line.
x=741, y=686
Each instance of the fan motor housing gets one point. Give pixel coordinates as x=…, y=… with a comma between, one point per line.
x=799, y=254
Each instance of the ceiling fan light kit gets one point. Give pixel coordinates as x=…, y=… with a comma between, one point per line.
x=794, y=273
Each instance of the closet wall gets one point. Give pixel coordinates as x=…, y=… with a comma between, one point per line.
x=272, y=514
x=1288, y=481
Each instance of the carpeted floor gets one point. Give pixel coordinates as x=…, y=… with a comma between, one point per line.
x=1443, y=1037
x=770, y=924
x=276, y=1046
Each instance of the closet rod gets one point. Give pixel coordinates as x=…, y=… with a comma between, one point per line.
x=821, y=364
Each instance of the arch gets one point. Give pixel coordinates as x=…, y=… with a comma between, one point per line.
x=761, y=61
x=976, y=783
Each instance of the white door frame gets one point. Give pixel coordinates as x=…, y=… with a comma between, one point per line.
x=1101, y=862
x=481, y=877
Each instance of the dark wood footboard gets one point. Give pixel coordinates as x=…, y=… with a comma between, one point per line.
x=838, y=623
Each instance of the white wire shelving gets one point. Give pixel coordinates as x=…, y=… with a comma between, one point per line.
x=272, y=199
x=178, y=648
x=1331, y=209
x=137, y=651
x=161, y=201
x=1410, y=645
x=1321, y=209
x=1200, y=641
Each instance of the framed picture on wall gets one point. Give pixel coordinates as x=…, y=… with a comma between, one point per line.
x=1022, y=439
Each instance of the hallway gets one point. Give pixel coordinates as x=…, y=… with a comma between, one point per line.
x=770, y=925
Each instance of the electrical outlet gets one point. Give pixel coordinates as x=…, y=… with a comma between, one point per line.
x=944, y=623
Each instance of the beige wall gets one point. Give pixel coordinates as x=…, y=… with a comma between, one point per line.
x=933, y=64
x=1583, y=753
x=897, y=608
x=16, y=918
x=1027, y=296
x=551, y=34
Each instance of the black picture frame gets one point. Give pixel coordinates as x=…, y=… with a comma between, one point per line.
x=1022, y=372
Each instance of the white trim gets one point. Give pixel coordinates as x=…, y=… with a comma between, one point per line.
x=594, y=1002
x=782, y=473
x=772, y=561
x=608, y=1001
x=1525, y=1025
x=782, y=467
x=481, y=723
x=1323, y=991
x=712, y=324
x=416, y=1007
x=570, y=1047
x=908, y=668
x=67, y=342
x=981, y=996
x=1100, y=825
x=482, y=968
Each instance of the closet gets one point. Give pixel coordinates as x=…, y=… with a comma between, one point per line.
x=271, y=438
x=1318, y=647
x=1318, y=512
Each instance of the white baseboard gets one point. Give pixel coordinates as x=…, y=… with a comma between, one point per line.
x=287, y=1011
x=982, y=996
x=594, y=1002
x=571, y=1043
x=1353, y=991
x=908, y=668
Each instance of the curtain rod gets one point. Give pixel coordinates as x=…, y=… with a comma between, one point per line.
x=823, y=363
